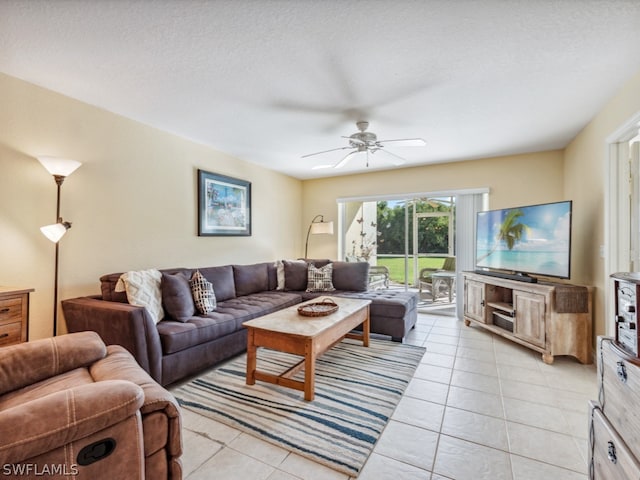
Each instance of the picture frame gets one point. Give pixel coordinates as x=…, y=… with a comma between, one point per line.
x=224, y=205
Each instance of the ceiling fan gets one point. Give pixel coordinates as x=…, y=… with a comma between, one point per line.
x=367, y=142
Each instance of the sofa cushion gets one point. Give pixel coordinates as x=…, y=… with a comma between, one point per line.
x=143, y=289
x=227, y=319
x=351, y=276
x=222, y=281
x=295, y=275
x=204, y=297
x=385, y=303
x=108, y=288
x=176, y=296
x=251, y=278
x=319, y=279
x=272, y=274
x=177, y=336
x=318, y=262
x=258, y=304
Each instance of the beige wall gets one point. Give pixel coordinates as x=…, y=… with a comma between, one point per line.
x=576, y=173
x=132, y=202
x=584, y=179
x=513, y=180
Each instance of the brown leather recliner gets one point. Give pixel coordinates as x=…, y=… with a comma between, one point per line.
x=71, y=407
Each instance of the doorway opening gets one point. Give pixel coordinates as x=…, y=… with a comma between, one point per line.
x=622, y=208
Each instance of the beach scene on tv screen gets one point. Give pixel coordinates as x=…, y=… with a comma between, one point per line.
x=534, y=239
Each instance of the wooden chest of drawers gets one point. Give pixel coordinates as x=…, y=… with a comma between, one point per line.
x=612, y=459
x=14, y=315
x=615, y=420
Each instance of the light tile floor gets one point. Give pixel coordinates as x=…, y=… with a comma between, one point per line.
x=478, y=407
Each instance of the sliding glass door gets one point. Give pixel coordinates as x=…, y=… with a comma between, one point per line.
x=412, y=232
x=404, y=235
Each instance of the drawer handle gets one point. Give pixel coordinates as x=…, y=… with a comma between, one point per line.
x=4, y=335
x=622, y=372
x=611, y=453
x=4, y=310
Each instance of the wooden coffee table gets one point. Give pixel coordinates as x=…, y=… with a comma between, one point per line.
x=288, y=331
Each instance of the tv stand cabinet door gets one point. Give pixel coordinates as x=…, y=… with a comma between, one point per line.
x=529, y=322
x=474, y=300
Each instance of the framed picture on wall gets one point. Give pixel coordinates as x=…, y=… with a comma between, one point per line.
x=224, y=205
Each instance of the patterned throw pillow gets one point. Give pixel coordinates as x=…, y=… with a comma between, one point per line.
x=320, y=279
x=203, y=294
x=143, y=289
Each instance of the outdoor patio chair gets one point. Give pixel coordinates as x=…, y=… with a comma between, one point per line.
x=378, y=277
x=425, y=280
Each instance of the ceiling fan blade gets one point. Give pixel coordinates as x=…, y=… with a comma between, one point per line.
x=405, y=142
x=396, y=160
x=324, y=151
x=344, y=161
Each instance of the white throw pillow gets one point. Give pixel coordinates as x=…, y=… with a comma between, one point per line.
x=143, y=289
x=280, y=274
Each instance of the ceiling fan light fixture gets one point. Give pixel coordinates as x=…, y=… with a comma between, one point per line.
x=367, y=142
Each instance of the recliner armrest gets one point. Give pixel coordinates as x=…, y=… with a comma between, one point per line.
x=57, y=419
x=119, y=364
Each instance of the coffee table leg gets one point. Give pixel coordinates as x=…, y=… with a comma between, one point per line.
x=309, y=372
x=366, y=327
x=251, y=358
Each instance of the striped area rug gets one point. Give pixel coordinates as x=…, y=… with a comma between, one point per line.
x=357, y=390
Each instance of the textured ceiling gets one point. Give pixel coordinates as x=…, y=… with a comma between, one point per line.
x=269, y=81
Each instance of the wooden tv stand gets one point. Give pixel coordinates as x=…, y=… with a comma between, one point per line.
x=550, y=318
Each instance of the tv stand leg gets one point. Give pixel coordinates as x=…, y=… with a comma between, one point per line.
x=547, y=358
x=467, y=322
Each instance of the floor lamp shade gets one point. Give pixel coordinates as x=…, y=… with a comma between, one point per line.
x=322, y=227
x=59, y=166
x=55, y=231
x=316, y=227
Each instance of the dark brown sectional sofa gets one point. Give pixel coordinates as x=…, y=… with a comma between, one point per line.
x=175, y=348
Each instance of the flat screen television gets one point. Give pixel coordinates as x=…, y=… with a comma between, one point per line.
x=534, y=239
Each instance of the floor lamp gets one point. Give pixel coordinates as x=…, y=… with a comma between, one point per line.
x=60, y=168
x=317, y=227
